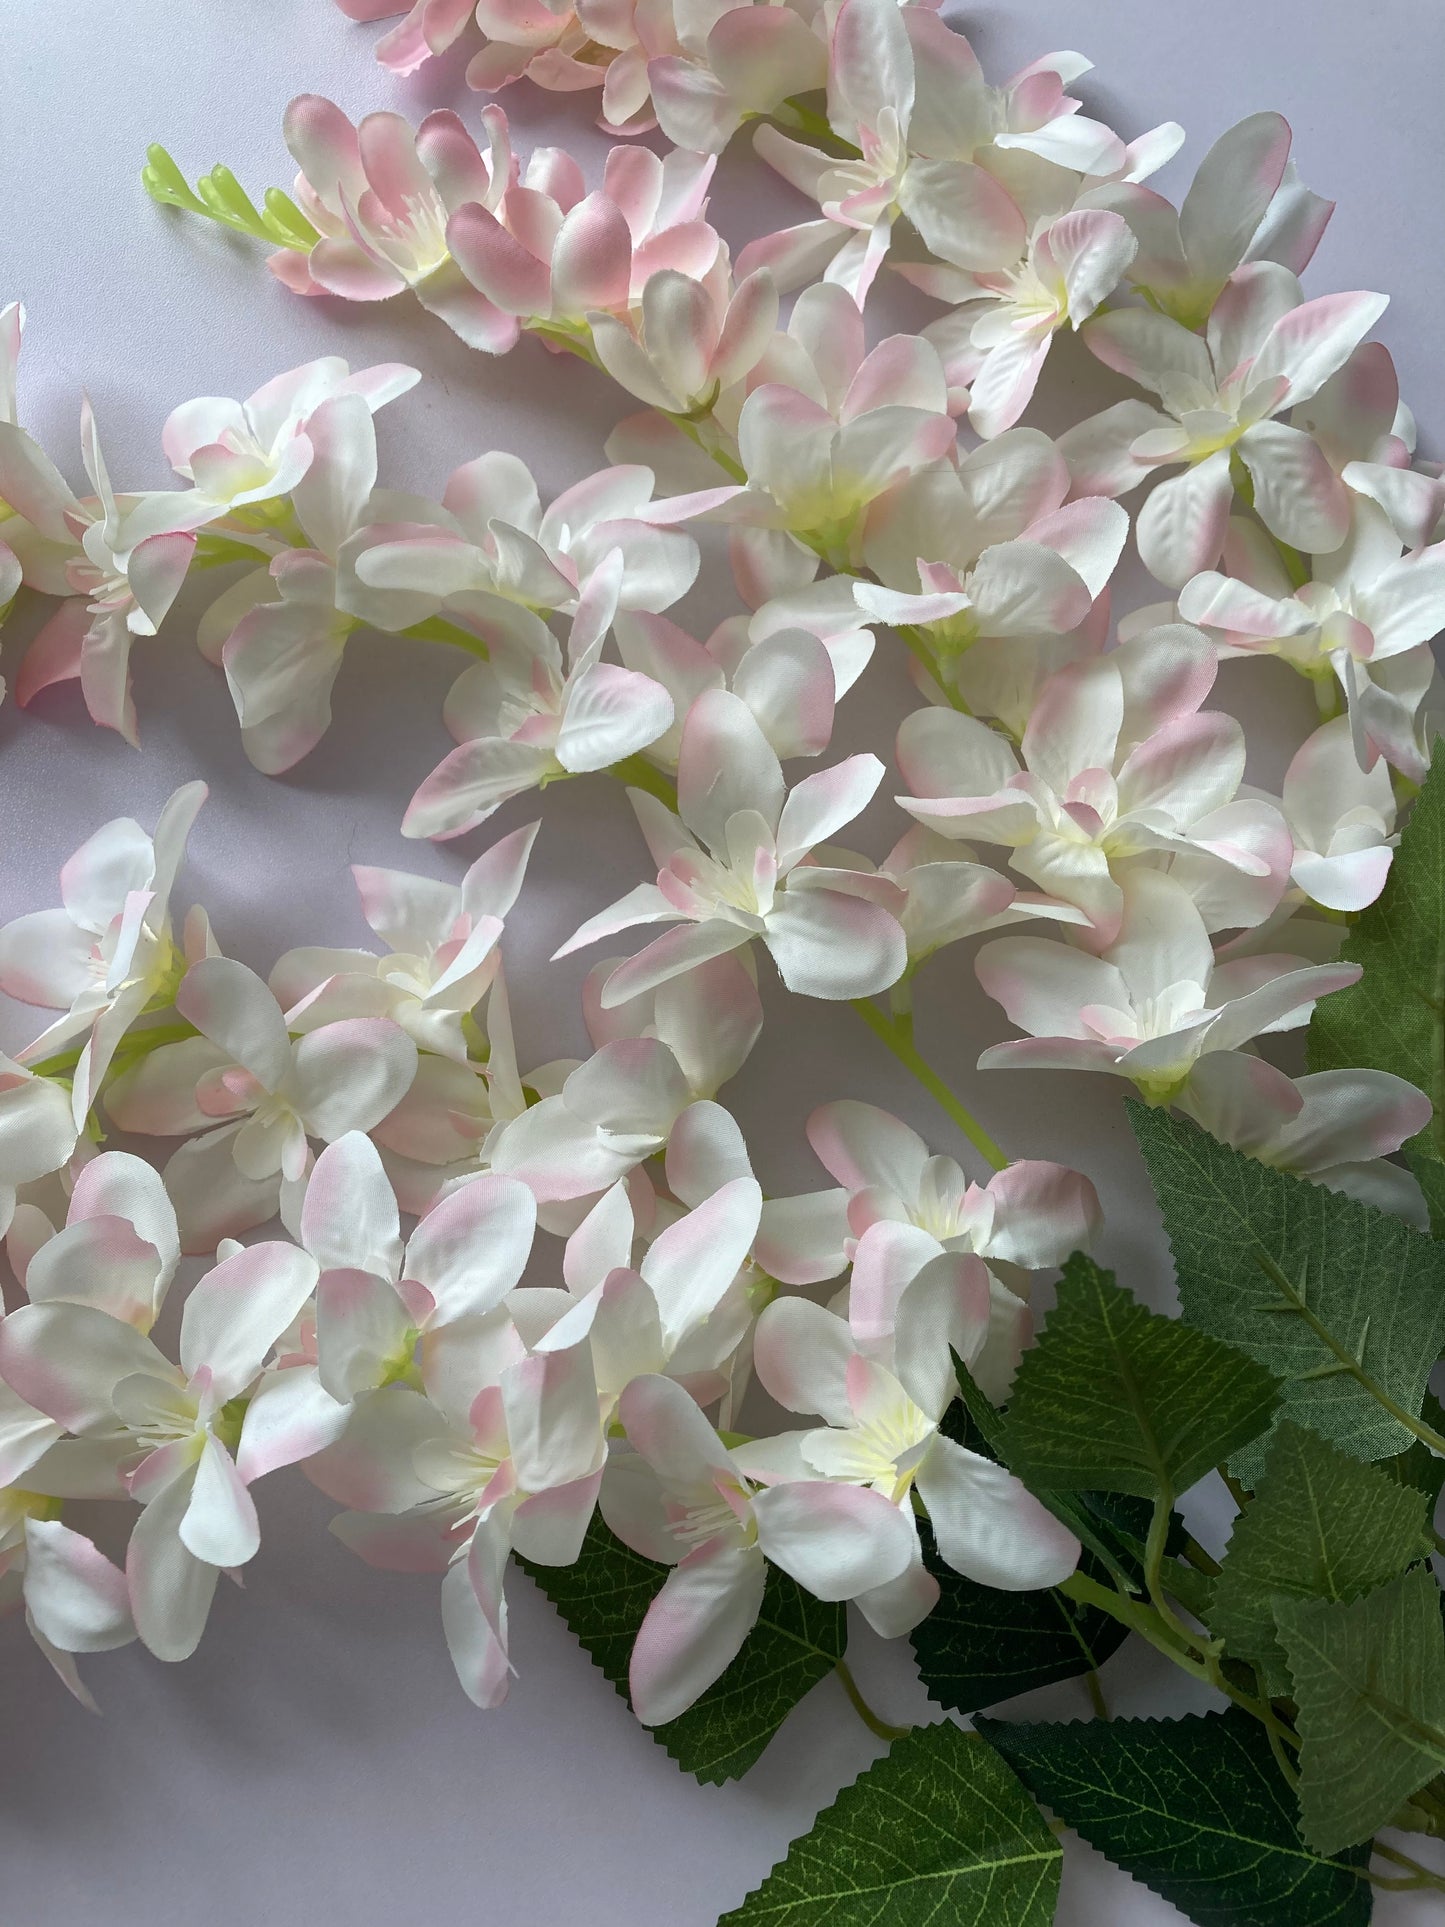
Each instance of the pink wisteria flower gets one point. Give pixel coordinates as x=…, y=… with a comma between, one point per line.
x=114, y=588
x=614, y=1110
x=1264, y=349
x=1341, y=819
x=380, y=196
x=239, y=455
x=281, y=656
x=530, y=715
x=501, y=1449
x=699, y=1514
x=827, y=433
x=441, y=957
x=490, y=540
x=677, y=1313
x=1338, y=1128
x=907, y=93
x=166, y=1429
x=1246, y=203
x=1119, y=766
x=116, y=1253
x=787, y=679
x=111, y=952
x=38, y=1133
x=997, y=339
x=688, y=338
x=428, y=28
x=377, y=1299
x=1028, y=1217
x=1367, y=607
x=712, y=70
x=248, y=1098
x=990, y=551
x=1152, y=1003
x=880, y=1379
x=732, y=866
x=549, y=254
x=1029, y=1214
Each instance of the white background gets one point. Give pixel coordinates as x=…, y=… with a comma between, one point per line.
x=316, y=1759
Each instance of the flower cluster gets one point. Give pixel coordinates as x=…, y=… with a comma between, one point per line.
x=589, y=1278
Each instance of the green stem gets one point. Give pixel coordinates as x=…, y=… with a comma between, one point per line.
x=1139, y=1618
x=807, y=120
x=889, y=1032
x=139, y=1043
x=864, y=1711
x=691, y=426
x=1154, y=1565
x=1418, y=1876
x=1096, y=1695
x=439, y=629
x=1201, y=1560
x=639, y=774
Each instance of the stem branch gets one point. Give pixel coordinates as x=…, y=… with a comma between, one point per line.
x=888, y=1031
x=864, y=1711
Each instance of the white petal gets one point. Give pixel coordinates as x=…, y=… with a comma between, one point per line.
x=988, y=1526
x=220, y=1524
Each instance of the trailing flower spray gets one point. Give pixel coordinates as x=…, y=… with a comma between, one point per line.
x=506, y=1312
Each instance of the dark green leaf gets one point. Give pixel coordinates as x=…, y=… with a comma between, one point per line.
x=1321, y=1526
x=1195, y=1808
x=1369, y=1681
x=798, y=1640
x=1419, y=1466
x=938, y=1831
x=979, y=1645
x=1393, y=1019
x=1114, y=1396
x=1310, y=1283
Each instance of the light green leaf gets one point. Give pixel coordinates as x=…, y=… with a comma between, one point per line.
x=939, y=1831
x=1322, y=1526
x=1369, y=1681
x=1114, y=1396
x=1196, y=1809
x=797, y=1641
x=1393, y=1019
x=1341, y=1301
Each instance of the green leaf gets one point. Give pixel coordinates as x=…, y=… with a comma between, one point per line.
x=798, y=1640
x=1195, y=1808
x=979, y=1645
x=1419, y=1466
x=1322, y=1526
x=938, y=1831
x=1369, y=1681
x=1429, y=1174
x=1112, y=1395
x=1393, y=1019
x=1315, y=1286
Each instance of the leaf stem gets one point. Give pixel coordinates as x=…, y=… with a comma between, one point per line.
x=1095, y=1691
x=1418, y=1876
x=864, y=1711
x=1154, y=1563
x=890, y=1032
